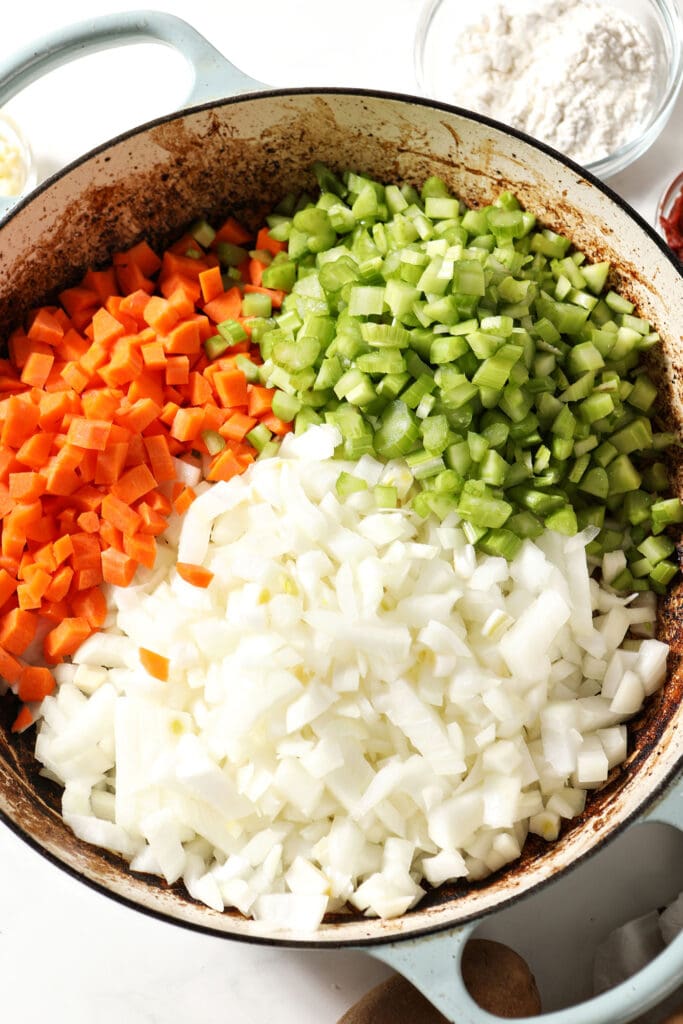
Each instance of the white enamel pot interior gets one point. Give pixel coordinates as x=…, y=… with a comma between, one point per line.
x=241, y=154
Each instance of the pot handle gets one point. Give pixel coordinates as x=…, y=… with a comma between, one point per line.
x=432, y=964
x=213, y=74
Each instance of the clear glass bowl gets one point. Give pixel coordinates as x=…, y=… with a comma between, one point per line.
x=17, y=166
x=662, y=20
x=666, y=202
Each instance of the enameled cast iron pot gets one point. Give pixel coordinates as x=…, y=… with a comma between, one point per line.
x=241, y=153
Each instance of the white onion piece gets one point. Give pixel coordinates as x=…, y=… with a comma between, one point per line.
x=357, y=702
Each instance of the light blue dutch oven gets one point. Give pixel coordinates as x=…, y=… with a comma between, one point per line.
x=239, y=147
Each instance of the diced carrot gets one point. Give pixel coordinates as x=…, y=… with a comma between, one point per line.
x=182, y=296
x=106, y=328
x=265, y=241
x=63, y=548
x=260, y=400
x=89, y=522
x=224, y=466
x=125, y=364
x=277, y=426
x=60, y=585
x=152, y=521
x=155, y=664
x=136, y=451
x=256, y=268
x=120, y=514
x=181, y=290
x=10, y=668
x=94, y=358
x=91, y=605
x=89, y=433
x=139, y=416
x=159, y=502
x=141, y=547
x=183, y=339
x=66, y=638
x=45, y=327
x=23, y=720
x=77, y=299
x=160, y=314
x=117, y=567
x=197, y=575
x=232, y=231
x=8, y=585
x=110, y=464
x=17, y=630
x=134, y=305
x=211, y=283
x=187, y=424
x=141, y=255
x=160, y=460
x=231, y=388
x=153, y=355
x=72, y=346
x=177, y=370
x=200, y=389
x=237, y=426
x=183, y=500
x=7, y=502
x=35, y=682
x=102, y=282
x=226, y=306
x=37, y=368
x=21, y=420
x=75, y=376
x=134, y=484
x=26, y=487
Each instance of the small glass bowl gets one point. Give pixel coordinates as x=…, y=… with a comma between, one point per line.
x=661, y=19
x=666, y=202
x=17, y=166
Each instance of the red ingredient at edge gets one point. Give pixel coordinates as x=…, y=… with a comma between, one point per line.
x=673, y=226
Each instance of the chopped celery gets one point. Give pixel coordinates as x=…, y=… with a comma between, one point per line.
x=475, y=344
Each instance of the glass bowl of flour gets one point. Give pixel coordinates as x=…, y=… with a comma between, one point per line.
x=594, y=79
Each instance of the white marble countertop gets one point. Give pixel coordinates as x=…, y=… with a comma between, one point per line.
x=68, y=954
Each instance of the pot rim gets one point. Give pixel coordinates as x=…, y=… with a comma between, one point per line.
x=393, y=95
x=431, y=926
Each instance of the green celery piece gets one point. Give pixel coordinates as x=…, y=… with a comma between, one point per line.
x=595, y=482
x=232, y=331
x=398, y=431
x=259, y=436
x=495, y=371
x=664, y=572
x=348, y=484
x=503, y=543
x=666, y=512
x=563, y=521
x=478, y=505
x=285, y=407
x=595, y=275
x=622, y=475
x=468, y=278
x=386, y=496
x=655, y=549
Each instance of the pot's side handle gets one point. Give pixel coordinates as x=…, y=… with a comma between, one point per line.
x=432, y=964
x=212, y=75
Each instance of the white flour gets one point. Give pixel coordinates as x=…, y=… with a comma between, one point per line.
x=573, y=73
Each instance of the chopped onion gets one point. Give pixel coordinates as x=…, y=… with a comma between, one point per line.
x=358, y=702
